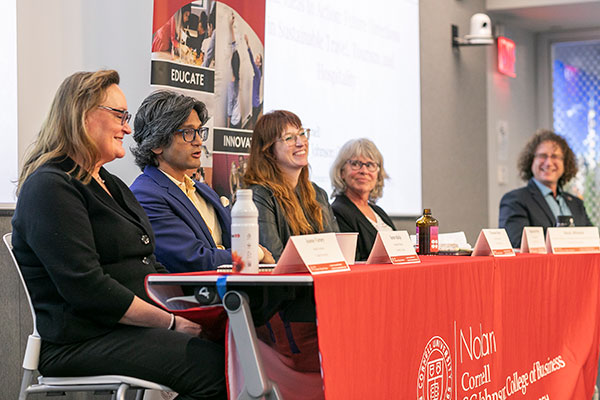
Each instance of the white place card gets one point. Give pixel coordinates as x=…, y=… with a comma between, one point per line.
x=318, y=253
x=493, y=242
x=393, y=247
x=532, y=240
x=572, y=240
x=454, y=238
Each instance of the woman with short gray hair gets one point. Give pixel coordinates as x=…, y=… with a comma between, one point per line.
x=357, y=177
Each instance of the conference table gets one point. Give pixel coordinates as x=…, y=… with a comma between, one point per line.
x=467, y=328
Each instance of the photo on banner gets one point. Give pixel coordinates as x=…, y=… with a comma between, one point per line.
x=213, y=51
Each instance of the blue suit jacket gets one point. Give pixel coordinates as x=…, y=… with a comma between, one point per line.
x=527, y=207
x=183, y=241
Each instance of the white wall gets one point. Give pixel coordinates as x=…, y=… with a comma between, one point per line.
x=453, y=120
x=508, y=4
x=8, y=104
x=58, y=37
x=512, y=103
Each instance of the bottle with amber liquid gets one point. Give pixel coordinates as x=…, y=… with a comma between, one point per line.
x=427, y=234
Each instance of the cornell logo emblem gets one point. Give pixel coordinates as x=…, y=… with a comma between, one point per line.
x=434, y=381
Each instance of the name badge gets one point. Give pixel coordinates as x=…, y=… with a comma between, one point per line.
x=393, y=247
x=532, y=240
x=493, y=242
x=318, y=253
x=572, y=240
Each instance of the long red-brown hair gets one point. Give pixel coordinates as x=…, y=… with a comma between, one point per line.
x=263, y=170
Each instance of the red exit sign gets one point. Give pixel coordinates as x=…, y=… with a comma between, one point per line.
x=506, y=57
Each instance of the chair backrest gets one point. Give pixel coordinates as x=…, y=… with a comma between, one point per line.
x=8, y=241
x=32, y=356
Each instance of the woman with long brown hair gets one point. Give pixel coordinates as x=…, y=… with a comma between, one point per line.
x=288, y=202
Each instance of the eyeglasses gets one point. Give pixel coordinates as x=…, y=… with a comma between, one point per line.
x=189, y=134
x=124, y=114
x=552, y=157
x=291, y=138
x=356, y=165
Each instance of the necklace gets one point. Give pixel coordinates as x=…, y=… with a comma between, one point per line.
x=97, y=178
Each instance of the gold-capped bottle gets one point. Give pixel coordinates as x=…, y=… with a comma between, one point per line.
x=427, y=234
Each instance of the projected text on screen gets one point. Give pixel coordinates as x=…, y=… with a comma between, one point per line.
x=350, y=69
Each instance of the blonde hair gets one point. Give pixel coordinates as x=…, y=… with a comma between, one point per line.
x=356, y=148
x=63, y=133
x=262, y=169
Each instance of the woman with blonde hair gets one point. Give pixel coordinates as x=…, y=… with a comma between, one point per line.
x=288, y=202
x=85, y=246
x=357, y=176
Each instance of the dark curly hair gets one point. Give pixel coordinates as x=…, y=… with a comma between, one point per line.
x=158, y=117
x=528, y=153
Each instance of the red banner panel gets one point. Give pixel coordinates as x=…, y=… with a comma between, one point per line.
x=465, y=328
x=450, y=328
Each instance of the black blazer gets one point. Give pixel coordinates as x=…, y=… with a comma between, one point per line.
x=83, y=253
x=351, y=219
x=527, y=207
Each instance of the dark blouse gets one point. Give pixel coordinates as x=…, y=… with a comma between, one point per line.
x=274, y=230
x=351, y=219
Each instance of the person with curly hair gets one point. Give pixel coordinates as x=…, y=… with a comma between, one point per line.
x=547, y=163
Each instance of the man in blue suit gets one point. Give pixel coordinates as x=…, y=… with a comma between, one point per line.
x=192, y=227
x=547, y=162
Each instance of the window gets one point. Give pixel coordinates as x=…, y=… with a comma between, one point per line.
x=576, y=114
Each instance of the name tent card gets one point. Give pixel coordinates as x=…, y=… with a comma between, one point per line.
x=572, y=240
x=532, y=240
x=493, y=242
x=318, y=253
x=393, y=247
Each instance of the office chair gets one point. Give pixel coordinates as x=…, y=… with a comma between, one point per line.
x=115, y=384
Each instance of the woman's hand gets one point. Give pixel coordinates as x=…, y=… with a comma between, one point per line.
x=267, y=257
x=186, y=326
x=141, y=313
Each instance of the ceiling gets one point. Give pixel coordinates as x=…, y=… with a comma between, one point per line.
x=550, y=18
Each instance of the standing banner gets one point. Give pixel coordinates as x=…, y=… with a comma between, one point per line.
x=213, y=51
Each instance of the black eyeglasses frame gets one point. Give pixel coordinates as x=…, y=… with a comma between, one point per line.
x=202, y=132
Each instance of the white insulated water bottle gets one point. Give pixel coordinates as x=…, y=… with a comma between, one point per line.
x=244, y=230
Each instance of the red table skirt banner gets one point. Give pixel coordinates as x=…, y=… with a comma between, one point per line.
x=465, y=328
